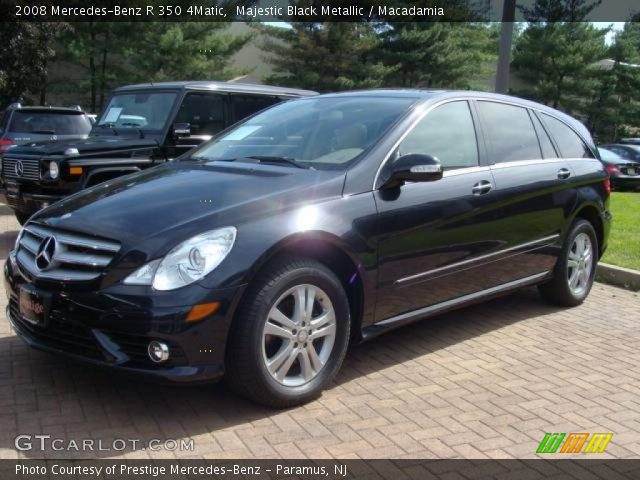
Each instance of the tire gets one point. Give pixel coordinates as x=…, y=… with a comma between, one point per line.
x=22, y=217
x=567, y=288
x=251, y=347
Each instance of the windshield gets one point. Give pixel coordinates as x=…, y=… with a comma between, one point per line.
x=323, y=133
x=50, y=123
x=144, y=110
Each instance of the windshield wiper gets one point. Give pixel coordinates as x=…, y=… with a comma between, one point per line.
x=280, y=160
x=110, y=126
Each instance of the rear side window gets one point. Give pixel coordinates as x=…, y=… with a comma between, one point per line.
x=548, y=151
x=45, y=123
x=510, y=133
x=570, y=144
x=205, y=113
x=447, y=133
x=243, y=106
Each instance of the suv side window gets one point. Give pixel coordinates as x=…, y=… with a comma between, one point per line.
x=568, y=141
x=509, y=132
x=204, y=111
x=548, y=151
x=244, y=105
x=447, y=133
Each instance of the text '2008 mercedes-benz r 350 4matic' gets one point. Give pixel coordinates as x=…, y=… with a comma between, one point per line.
x=319, y=221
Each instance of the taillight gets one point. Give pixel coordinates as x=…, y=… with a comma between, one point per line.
x=5, y=144
x=613, y=170
x=607, y=185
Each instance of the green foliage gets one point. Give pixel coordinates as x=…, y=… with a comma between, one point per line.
x=614, y=107
x=556, y=59
x=435, y=54
x=24, y=57
x=559, y=10
x=183, y=51
x=324, y=57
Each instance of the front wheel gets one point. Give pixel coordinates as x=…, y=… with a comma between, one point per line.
x=576, y=268
x=291, y=336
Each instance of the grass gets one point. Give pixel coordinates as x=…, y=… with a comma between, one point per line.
x=624, y=241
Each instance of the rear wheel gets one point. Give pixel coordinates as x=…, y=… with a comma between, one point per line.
x=575, y=271
x=290, y=337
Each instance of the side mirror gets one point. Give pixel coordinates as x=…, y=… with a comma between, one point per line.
x=181, y=130
x=414, y=167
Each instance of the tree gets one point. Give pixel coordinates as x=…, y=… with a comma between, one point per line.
x=324, y=56
x=98, y=48
x=24, y=58
x=556, y=59
x=615, y=102
x=184, y=51
x=551, y=11
x=434, y=54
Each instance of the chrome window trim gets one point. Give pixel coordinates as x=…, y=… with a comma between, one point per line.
x=547, y=239
x=426, y=110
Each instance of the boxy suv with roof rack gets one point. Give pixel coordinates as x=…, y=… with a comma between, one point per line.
x=262, y=253
x=141, y=126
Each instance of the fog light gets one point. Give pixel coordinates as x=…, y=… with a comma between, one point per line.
x=158, y=351
x=54, y=171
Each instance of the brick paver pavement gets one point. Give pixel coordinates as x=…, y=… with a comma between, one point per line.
x=486, y=381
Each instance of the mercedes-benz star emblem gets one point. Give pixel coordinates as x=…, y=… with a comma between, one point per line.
x=19, y=168
x=45, y=258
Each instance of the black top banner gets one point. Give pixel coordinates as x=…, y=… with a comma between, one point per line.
x=317, y=10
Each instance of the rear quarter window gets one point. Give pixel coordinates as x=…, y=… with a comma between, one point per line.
x=568, y=141
x=50, y=123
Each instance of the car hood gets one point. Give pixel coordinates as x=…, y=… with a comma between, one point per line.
x=177, y=200
x=91, y=145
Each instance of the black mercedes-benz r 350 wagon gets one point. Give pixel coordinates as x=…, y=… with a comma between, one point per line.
x=262, y=253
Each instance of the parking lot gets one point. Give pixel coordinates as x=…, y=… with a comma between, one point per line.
x=486, y=381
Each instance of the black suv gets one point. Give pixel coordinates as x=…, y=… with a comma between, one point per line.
x=22, y=125
x=141, y=126
x=263, y=252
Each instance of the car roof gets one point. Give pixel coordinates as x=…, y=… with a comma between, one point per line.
x=41, y=109
x=230, y=87
x=432, y=96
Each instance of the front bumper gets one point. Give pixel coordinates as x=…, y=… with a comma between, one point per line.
x=107, y=331
x=28, y=202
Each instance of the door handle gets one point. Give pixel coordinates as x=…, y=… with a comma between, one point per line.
x=563, y=174
x=481, y=188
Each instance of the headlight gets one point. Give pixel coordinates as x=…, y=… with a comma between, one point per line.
x=54, y=170
x=188, y=262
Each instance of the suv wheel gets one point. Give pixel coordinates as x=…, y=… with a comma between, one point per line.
x=290, y=337
x=575, y=271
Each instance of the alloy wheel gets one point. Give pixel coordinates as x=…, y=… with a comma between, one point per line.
x=579, y=264
x=298, y=335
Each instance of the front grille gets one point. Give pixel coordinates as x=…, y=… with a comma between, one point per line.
x=72, y=258
x=30, y=168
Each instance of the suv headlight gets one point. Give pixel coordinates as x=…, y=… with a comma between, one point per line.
x=189, y=262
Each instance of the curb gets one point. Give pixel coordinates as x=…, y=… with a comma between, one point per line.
x=618, y=276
